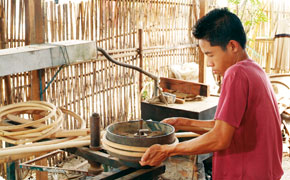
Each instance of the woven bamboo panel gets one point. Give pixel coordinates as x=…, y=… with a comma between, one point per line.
x=103, y=87
x=99, y=86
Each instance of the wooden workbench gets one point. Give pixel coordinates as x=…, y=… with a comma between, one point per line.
x=203, y=110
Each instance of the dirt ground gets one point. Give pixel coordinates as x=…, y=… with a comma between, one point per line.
x=286, y=166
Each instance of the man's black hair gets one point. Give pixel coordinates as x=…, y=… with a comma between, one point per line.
x=220, y=26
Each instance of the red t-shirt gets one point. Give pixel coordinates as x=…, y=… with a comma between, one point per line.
x=247, y=102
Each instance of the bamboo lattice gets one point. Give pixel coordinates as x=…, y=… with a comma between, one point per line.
x=98, y=85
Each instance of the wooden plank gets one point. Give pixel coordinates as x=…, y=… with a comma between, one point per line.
x=183, y=86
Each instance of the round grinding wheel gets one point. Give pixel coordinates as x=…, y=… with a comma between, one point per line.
x=127, y=133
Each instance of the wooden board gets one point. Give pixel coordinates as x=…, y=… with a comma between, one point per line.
x=184, y=86
x=202, y=110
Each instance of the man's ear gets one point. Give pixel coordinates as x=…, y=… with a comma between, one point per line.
x=233, y=45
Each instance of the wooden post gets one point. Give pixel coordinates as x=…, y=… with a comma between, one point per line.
x=202, y=60
x=140, y=53
x=3, y=45
x=34, y=31
x=7, y=80
x=34, y=34
x=3, y=41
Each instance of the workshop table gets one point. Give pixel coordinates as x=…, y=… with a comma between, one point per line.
x=202, y=110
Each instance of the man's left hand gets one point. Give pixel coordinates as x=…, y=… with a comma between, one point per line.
x=154, y=155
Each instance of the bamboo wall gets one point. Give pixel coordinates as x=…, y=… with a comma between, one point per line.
x=98, y=85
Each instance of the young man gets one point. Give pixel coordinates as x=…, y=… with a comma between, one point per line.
x=245, y=135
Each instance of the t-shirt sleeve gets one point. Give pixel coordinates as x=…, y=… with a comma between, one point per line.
x=233, y=99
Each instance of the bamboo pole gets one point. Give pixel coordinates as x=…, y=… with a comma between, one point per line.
x=71, y=8
x=68, y=144
x=82, y=20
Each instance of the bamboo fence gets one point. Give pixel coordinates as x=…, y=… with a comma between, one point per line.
x=98, y=85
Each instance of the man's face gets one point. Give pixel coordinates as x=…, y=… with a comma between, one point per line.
x=217, y=58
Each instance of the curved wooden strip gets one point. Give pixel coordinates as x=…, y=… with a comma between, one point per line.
x=126, y=150
x=81, y=121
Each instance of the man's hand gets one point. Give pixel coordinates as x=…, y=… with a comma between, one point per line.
x=154, y=155
x=172, y=121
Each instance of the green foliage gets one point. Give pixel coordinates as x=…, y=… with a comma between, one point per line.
x=144, y=95
x=234, y=1
x=251, y=12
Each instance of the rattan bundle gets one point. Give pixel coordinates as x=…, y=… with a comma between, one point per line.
x=31, y=121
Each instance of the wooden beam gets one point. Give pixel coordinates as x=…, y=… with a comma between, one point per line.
x=202, y=60
x=40, y=56
x=183, y=86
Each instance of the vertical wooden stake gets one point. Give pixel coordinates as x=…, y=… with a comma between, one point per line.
x=140, y=53
x=3, y=40
x=202, y=60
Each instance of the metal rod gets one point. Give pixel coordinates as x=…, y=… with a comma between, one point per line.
x=95, y=167
x=155, y=78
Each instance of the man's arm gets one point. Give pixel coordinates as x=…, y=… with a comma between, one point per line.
x=193, y=125
x=218, y=138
